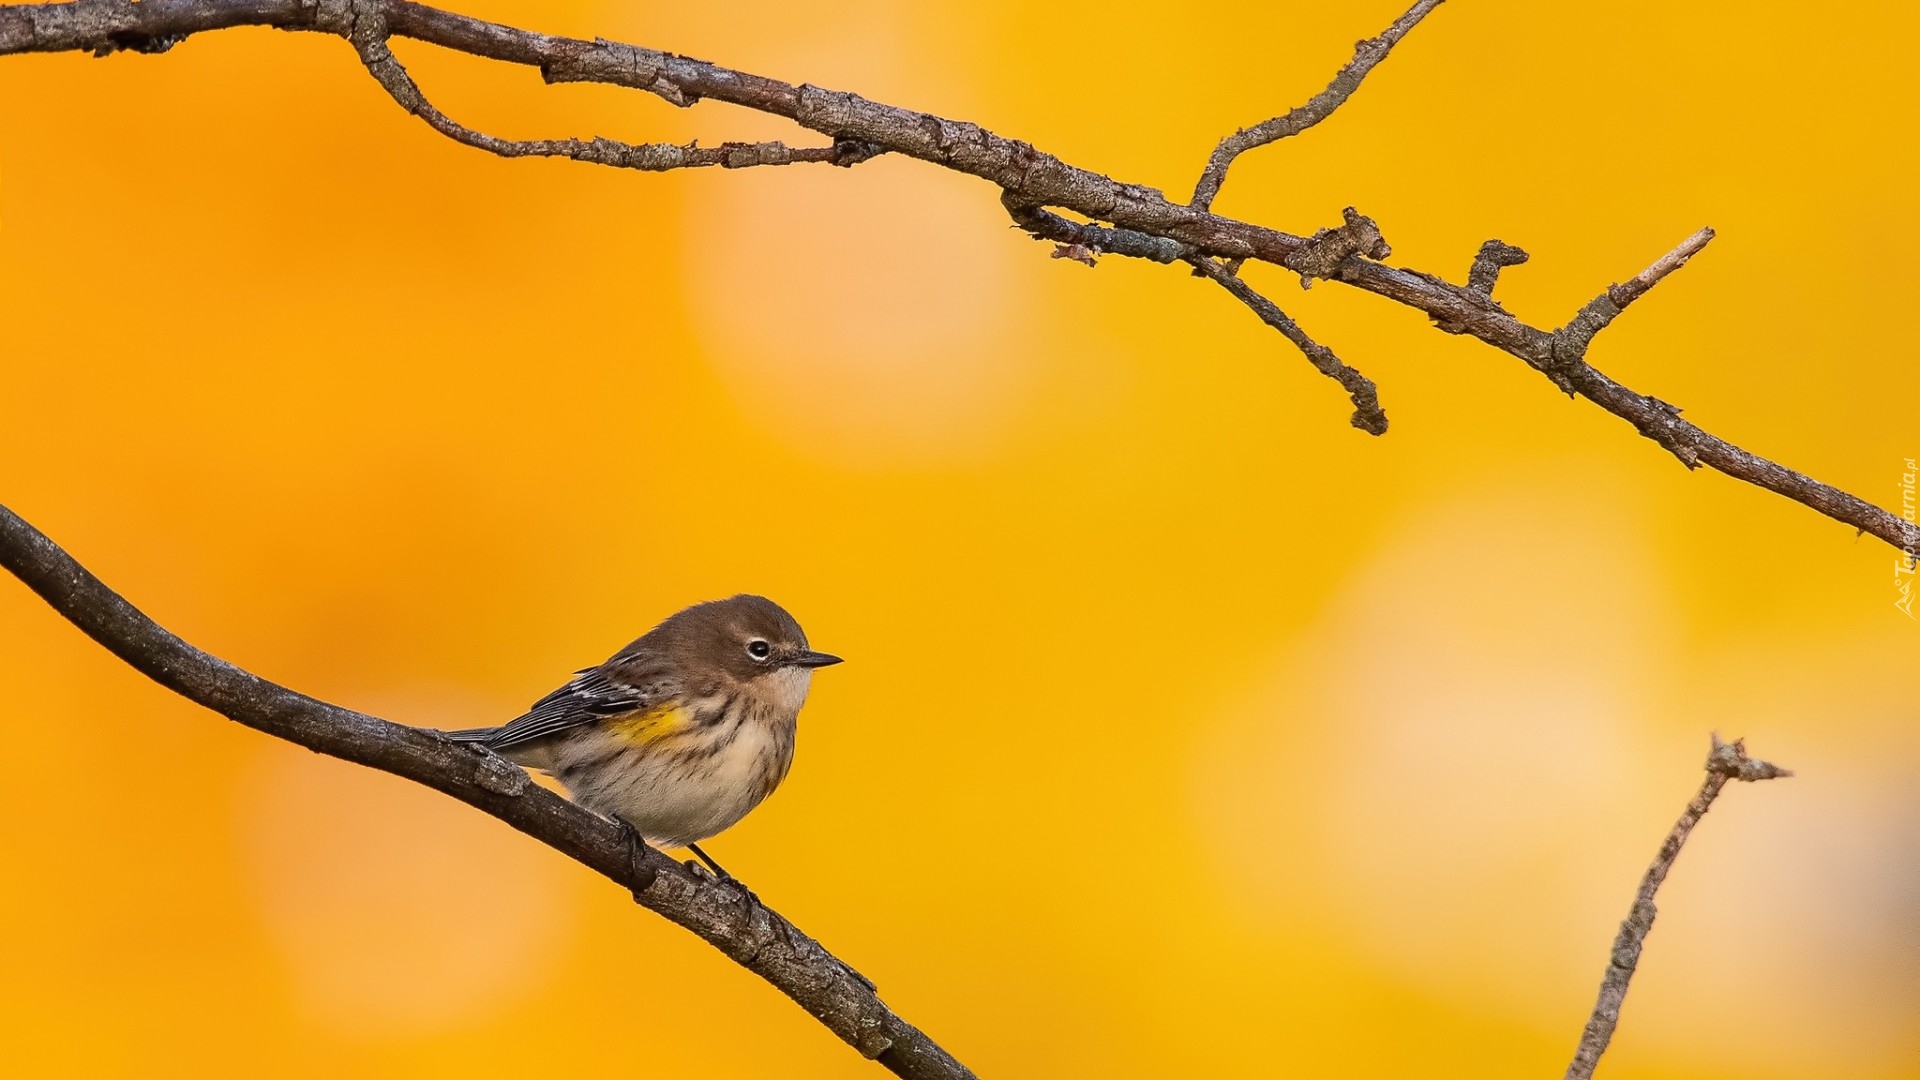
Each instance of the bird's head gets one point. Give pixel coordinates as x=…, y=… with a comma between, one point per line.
x=746, y=641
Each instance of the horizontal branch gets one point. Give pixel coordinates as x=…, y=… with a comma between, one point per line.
x=368, y=36
x=747, y=932
x=1028, y=177
x=1725, y=761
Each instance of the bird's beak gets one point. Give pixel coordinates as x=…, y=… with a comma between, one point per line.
x=814, y=659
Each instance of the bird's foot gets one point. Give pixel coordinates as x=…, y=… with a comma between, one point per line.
x=722, y=878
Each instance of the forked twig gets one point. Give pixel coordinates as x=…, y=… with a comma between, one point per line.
x=1726, y=761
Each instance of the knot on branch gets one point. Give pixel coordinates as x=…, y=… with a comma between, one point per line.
x=1731, y=761
x=850, y=152
x=1568, y=351
x=1326, y=249
x=1493, y=257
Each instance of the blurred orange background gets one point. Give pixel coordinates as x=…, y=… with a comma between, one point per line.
x=1186, y=730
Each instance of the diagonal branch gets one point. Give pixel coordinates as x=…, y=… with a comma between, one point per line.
x=750, y=934
x=1084, y=243
x=1366, y=56
x=1028, y=177
x=1367, y=414
x=1569, y=343
x=1726, y=761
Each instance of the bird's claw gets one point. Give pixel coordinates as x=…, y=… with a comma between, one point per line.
x=701, y=873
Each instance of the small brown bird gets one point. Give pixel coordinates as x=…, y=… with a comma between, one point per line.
x=681, y=733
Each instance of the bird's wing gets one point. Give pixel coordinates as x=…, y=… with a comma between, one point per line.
x=597, y=693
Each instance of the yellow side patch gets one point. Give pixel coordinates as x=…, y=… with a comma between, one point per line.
x=644, y=727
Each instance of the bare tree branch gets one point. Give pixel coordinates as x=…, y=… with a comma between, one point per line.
x=751, y=934
x=1726, y=761
x=1367, y=414
x=1366, y=56
x=1091, y=240
x=369, y=38
x=1085, y=243
x=1570, y=341
x=1029, y=178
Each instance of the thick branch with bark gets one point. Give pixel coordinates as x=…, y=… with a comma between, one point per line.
x=751, y=934
x=1726, y=761
x=1031, y=180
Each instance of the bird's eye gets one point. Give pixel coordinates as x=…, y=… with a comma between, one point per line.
x=759, y=649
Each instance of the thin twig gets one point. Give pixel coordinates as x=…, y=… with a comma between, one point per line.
x=369, y=38
x=1570, y=341
x=1636, y=286
x=1366, y=56
x=1092, y=240
x=1726, y=761
x=1565, y=358
x=1032, y=179
x=1367, y=414
x=749, y=933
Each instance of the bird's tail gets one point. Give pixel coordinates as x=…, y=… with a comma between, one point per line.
x=532, y=755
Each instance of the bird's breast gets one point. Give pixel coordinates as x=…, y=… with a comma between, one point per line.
x=684, y=774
